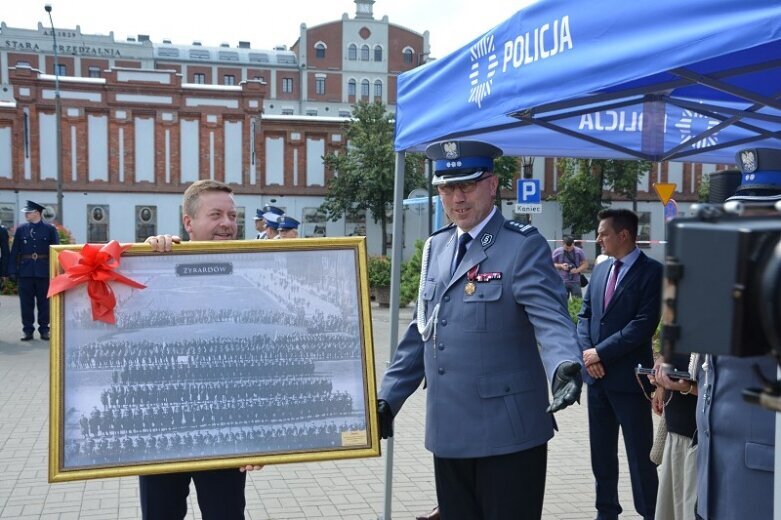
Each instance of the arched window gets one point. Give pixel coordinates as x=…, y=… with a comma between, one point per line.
x=377, y=53
x=407, y=55
x=352, y=52
x=351, y=88
x=365, y=89
x=378, y=89
x=320, y=50
x=365, y=53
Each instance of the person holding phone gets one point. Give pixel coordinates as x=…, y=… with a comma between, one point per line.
x=677, y=400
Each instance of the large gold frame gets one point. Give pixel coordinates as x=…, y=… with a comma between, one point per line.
x=354, y=444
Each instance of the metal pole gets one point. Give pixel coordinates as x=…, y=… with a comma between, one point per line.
x=398, y=240
x=58, y=119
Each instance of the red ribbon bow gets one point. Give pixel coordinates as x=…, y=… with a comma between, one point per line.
x=95, y=266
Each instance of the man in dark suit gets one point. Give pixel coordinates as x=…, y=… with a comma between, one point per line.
x=209, y=214
x=617, y=322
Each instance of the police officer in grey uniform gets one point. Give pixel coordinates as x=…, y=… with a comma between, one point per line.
x=287, y=227
x=29, y=263
x=492, y=334
x=736, y=440
x=262, y=220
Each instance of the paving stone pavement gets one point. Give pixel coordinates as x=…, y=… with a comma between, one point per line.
x=343, y=490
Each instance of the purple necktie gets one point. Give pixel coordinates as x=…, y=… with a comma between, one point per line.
x=611, y=283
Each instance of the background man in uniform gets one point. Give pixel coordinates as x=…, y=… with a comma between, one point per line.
x=29, y=263
x=616, y=325
x=570, y=261
x=4, y=255
x=272, y=226
x=288, y=227
x=481, y=315
x=209, y=213
x=736, y=439
x=261, y=224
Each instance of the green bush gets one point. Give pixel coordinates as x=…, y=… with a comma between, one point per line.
x=574, y=306
x=379, y=270
x=410, y=276
x=9, y=287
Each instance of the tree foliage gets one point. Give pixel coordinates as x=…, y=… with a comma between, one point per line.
x=583, y=185
x=363, y=175
x=506, y=168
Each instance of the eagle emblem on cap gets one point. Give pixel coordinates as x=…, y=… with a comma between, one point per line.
x=748, y=161
x=451, y=150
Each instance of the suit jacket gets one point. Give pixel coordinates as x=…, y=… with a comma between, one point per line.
x=622, y=333
x=487, y=379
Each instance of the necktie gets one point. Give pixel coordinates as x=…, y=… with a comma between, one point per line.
x=462, y=242
x=611, y=283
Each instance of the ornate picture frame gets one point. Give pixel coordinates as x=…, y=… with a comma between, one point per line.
x=235, y=353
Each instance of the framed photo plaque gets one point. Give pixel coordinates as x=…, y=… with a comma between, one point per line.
x=234, y=353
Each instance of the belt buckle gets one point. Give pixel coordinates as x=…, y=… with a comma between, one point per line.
x=34, y=256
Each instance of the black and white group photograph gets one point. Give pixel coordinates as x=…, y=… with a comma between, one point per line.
x=259, y=353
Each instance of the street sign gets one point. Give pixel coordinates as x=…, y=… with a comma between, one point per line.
x=529, y=196
x=670, y=210
x=664, y=190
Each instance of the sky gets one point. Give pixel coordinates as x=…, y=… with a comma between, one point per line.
x=451, y=24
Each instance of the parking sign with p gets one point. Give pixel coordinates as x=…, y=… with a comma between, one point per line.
x=529, y=196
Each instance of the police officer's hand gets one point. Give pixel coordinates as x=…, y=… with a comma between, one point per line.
x=385, y=416
x=567, y=384
x=163, y=243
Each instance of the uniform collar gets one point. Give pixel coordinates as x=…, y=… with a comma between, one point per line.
x=475, y=231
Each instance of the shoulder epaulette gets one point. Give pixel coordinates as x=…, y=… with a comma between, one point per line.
x=443, y=229
x=523, y=229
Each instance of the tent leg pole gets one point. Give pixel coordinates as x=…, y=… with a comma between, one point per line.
x=398, y=241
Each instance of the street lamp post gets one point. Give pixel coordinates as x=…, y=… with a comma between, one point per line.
x=58, y=118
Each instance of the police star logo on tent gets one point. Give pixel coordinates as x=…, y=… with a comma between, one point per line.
x=484, y=63
x=692, y=124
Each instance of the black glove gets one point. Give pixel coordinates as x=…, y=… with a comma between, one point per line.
x=566, y=386
x=385, y=416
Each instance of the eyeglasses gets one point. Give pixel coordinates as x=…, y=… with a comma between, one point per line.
x=464, y=187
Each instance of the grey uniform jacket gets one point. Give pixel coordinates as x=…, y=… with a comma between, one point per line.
x=736, y=441
x=487, y=381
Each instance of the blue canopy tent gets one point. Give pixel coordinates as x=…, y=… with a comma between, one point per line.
x=692, y=80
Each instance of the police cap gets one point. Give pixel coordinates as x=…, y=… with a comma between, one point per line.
x=461, y=161
x=286, y=222
x=271, y=219
x=760, y=175
x=32, y=206
x=267, y=209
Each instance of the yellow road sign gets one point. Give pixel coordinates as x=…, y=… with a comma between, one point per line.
x=664, y=190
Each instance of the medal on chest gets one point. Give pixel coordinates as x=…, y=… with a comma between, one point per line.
x=471, y=276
